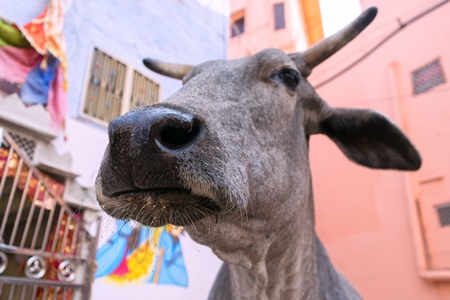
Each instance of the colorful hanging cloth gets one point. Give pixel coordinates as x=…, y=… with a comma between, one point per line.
x=33, y=61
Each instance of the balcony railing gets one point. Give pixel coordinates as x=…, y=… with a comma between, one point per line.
x=46, y=252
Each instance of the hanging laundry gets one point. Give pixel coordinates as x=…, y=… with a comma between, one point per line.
x=33, y=62
x=17, y=58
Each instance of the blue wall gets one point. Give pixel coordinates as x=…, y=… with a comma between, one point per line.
x=181, y=31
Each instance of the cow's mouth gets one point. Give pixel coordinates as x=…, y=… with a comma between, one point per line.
x=158, y=207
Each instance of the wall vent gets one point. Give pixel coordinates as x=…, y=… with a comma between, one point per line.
x=444, y=214
x=427, y=77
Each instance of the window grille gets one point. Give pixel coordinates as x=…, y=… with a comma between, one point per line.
x=144, y=92
x=428, y=77
x=444, y=214
x=28, y=146
x=105, y=87
x=113, y=88
x=278, y=12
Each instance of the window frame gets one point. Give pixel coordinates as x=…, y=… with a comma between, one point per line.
x=127, y=87
x=236, y=17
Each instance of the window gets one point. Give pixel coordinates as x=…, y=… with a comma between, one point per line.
x=144, y=92
x=278, y=12
x=428, y=77
x=113, y=88
x=237, y=23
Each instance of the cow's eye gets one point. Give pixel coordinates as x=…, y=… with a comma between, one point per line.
x=290, y=78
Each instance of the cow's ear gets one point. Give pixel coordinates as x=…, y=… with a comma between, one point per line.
x=368, y=138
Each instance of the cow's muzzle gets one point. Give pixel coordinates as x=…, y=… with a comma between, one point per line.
x=140, y=169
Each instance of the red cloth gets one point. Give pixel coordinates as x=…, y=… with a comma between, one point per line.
x=16, y=63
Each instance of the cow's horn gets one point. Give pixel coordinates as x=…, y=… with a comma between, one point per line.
x=327, y=47
x=177, y=71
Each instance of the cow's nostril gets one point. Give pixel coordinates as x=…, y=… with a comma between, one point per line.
x=180, y=135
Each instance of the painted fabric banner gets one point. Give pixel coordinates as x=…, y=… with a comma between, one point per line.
x=33, y=61
x=142, y=255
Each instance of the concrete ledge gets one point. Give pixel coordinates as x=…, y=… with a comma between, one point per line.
x=33, y=121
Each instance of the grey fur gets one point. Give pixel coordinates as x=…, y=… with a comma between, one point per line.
x=250, y=160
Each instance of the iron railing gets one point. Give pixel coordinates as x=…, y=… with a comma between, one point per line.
x=45, y=250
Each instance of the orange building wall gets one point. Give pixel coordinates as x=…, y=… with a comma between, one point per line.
x=368, y=219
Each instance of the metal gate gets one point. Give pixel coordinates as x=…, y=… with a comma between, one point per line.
x=45, y=250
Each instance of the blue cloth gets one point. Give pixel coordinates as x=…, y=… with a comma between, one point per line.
x=37, y=85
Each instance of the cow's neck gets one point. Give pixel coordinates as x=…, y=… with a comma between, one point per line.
x=279, y=274
x=271, y=263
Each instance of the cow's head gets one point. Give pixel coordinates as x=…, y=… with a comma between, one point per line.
x=232, y=144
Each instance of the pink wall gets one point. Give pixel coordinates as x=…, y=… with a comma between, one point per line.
x=366, y=218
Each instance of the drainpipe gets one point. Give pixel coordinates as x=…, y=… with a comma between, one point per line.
x=412, y=190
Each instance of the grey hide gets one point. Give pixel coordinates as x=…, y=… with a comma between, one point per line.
x=227, y=158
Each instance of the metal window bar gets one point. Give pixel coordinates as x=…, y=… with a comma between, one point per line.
x=11, y=292
x=37, y=174
x=11, y=198
x=30, y=291
x=66, y=232
x=57, y=231
x=30, y=215
x=19, y=213
x=49, y=223
x=23, y=292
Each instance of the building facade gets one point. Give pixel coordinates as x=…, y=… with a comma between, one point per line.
x=290, y=25
x=391, y=234
x=106, y=42
x=388, y=232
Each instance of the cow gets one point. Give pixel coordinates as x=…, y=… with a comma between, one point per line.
x=226, y=157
